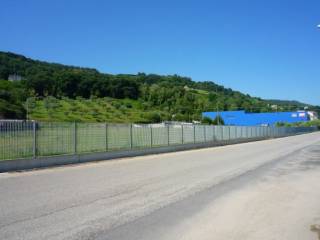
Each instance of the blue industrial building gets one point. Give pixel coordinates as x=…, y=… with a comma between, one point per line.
x=241, y=118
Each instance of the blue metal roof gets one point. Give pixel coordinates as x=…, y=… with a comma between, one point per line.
x=241, y=118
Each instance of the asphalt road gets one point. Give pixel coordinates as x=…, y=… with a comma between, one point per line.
x=166, y=196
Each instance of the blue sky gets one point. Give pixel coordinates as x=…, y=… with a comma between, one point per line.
x=267, y=48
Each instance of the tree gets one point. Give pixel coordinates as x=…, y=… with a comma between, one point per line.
x=50, y=103
x=212, y=97
x=218, y=120
x=152, y=117
x=206, y=120
x=30, y=105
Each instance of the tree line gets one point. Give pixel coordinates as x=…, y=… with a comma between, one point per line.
x=181, y=97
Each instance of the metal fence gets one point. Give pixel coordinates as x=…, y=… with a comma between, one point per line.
x=22, y=139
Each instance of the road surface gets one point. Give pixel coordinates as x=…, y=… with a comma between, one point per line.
x=261, y=190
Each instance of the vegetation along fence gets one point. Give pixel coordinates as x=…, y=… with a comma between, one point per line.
x=29, y=139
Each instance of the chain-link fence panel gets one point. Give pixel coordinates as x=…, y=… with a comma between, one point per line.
x=119, y=136
x=238, y=132
x=209, y=133
x=293, y=131
x=160, y=136
x=251, y=132
x=218, y=133
x=141, y=136
x=233, y=132
x=16, y=139
x=278, y=131
x=259, y=132
x=282, y=131
x=255, y=132
x=200, y=133
x=226, y=133
x=269, y=131
x=55, y=139
x=91, y=137
x=175, y=134
x=273, y=132
x=243, y=132
x=188, y=134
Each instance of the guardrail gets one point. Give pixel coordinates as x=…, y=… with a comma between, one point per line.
x=33, y=140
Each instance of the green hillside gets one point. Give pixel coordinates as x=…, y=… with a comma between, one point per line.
x=94, y=110
x=57, y=92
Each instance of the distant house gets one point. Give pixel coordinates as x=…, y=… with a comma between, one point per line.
x=14, y=77
x=241, y=118
x=313, y=115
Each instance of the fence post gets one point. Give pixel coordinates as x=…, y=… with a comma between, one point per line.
x=34, y=145
x=75, y=137
x=131, y=138
x=213, y=133
x=194, y=133
x=151, y=136
x=274, y=132
x=182, y=134
x=168, y=135
x=235, y=131
x=204, y=133
x=107, y=147
x=229, y=130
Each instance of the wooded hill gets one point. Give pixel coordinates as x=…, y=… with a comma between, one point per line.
x=58, y=92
